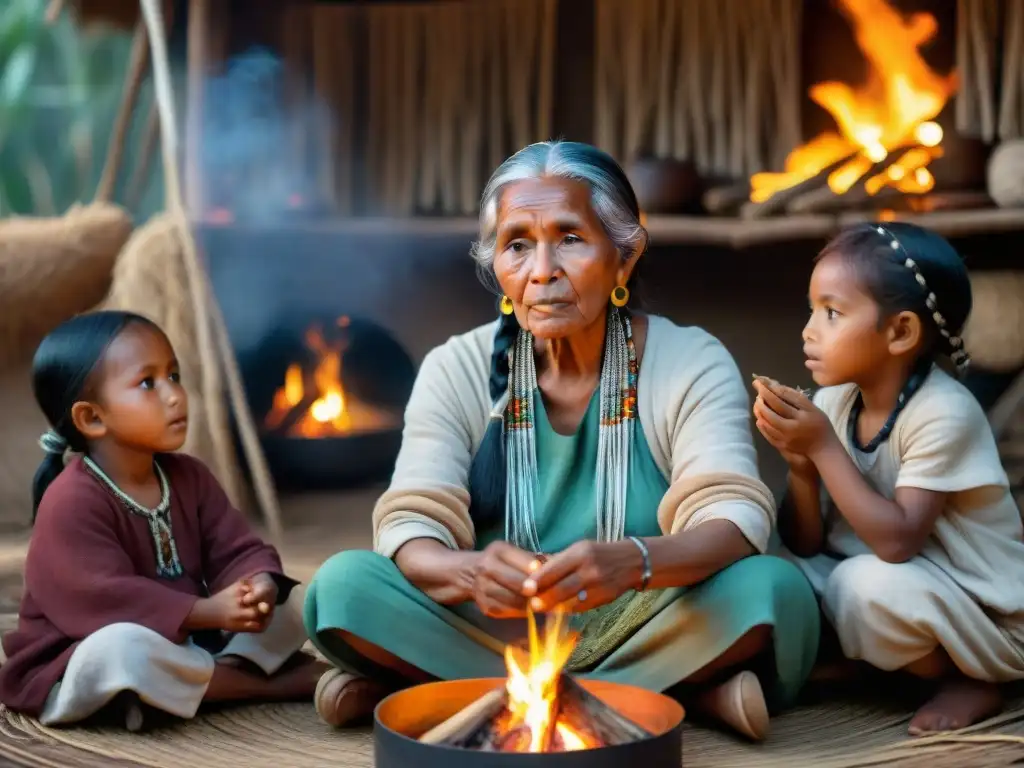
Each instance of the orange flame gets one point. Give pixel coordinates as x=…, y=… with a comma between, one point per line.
x=533, y=685
x=894, y=107
x=331, y=412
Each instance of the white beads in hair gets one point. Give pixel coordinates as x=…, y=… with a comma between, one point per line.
x=959, y=356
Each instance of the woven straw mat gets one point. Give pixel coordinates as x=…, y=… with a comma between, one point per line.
x=844, y=734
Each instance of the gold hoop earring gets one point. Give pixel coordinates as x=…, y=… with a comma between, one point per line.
x=506, y=306
x=620, y=295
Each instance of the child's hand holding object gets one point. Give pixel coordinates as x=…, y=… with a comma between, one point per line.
x=790, y=422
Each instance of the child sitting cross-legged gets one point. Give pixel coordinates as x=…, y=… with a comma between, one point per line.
x=898, y=505
x=143, y=585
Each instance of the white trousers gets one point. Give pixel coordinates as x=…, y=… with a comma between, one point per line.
x=892, y=614
x=170, y=677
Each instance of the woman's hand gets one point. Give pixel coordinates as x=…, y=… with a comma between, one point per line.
x=586, y=575
x=501, y=571
x=792, y=424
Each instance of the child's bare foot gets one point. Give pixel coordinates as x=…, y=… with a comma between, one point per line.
x=959, y=702
x=342, y=698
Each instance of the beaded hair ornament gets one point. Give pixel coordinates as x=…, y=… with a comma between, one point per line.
x=958, y=355
x=619, y=374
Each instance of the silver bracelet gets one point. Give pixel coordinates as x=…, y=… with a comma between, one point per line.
x=645, y=577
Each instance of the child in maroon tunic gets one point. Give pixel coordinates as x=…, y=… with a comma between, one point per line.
x=142, y=582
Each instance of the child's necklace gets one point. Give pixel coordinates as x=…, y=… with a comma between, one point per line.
x=883, y=433
x=917, y=378
x=167, y=564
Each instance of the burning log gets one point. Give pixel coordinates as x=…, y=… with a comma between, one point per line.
x=777, y=203
x=824, y=200
x=580, y=720
x=585, y=713
x=465, y=727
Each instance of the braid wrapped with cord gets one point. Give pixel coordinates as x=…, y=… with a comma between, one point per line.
x=487, y=481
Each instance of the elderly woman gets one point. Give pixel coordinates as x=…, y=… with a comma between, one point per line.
x=571, y=453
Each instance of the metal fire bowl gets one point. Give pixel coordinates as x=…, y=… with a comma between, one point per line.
x=331, y=462
x=404, y=716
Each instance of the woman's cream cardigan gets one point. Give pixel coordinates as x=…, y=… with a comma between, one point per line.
x=693, y=408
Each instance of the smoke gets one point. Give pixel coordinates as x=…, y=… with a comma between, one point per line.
x=258, y=136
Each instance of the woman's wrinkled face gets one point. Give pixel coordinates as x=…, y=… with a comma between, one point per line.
x=553, y=258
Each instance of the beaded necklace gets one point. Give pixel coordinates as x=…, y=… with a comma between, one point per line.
x=619, y=373
x=168, y=566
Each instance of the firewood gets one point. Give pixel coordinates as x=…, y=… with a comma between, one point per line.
x=954, y=200
x=777, y=203
x=585, y=713
x=467, y=722
x=824, y=200
x=726, y=199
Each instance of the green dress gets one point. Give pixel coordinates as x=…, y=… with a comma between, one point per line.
x=365, y=594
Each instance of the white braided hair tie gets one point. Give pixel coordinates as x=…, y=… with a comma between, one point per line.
x=52, y=443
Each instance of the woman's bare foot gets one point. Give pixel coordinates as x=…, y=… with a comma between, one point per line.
x=959, y=702
x=342, y=698
x=739, y=703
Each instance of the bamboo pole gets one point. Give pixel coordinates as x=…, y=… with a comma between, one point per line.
x=198, y=23
x=210, y=330
x=136, y=73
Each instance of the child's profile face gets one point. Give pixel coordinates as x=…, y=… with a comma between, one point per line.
x=843, y=340
x=140, y=401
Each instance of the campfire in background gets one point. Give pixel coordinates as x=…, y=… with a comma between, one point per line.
x=886, y=138
x=540, y=708
x=313, y=403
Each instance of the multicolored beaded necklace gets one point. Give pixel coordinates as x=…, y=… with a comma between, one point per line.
x=619, y=373
x=167, y=564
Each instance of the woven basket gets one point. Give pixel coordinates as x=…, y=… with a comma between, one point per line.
x=994, y=335
x=52, y=269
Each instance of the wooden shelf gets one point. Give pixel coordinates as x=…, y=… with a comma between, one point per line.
x=716, y=231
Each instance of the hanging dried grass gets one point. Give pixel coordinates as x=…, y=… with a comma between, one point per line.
x=977, y=40
x=1011, y=105
x=52, y=269
x=713, y=81
x=451, y=93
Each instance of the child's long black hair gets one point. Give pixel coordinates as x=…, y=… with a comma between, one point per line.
x=904, y=267
x=61, y=376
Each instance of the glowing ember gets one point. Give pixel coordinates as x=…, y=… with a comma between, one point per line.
x=893, y=109
x=533, y=687
x=326, y=409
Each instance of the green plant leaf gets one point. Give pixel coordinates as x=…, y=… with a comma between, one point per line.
x=17, y=75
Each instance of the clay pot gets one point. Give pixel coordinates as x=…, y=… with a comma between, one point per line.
x=962, y=165
x=665, y=186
